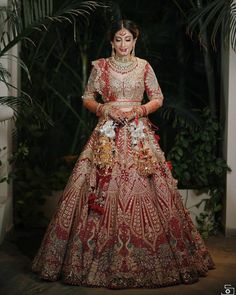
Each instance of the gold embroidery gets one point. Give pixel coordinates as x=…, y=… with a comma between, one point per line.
x=104, y=152
x=129, y=86
x=151, y=84
x=144, y=161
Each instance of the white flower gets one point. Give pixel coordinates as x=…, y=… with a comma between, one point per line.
x=108, y=129
x=137, y=131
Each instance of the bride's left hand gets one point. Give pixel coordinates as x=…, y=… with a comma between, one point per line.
x=117, y=115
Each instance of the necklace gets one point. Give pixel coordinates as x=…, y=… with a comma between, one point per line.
x=123, y=67
x=123, y=59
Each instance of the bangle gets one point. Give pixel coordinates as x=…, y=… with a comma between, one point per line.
x=139, y=112
x=144, y=109
x=105, y=110
x=99, y=109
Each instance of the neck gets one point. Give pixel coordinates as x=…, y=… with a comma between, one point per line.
x=123, y=58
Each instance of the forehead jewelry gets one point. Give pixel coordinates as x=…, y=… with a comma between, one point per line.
x=122, y=32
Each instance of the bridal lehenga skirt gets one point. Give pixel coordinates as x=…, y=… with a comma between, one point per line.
x=121, y=222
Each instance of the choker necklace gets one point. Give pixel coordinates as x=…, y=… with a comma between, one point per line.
x=123, y=58
x=123, y=67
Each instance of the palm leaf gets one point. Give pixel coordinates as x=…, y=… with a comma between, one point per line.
x=4, y=74
x=17, y=60
x=179, y=115
x=32, y=15
x=18, y=22
x=22, y=105
x=233, y=25
x=217, y=16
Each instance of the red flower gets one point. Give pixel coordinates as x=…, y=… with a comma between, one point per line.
x=103, y=176
x=92, y=204
x=157, y=137
x=97, y=208
x=169, y=164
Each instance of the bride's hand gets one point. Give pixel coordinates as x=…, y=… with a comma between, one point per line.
x=136, y=112
x=130, y=115
x=117, y=115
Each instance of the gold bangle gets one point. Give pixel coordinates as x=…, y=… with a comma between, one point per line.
x=106, y=110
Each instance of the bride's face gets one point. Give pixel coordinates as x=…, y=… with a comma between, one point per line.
x=123, y=43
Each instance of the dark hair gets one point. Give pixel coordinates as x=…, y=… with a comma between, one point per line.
x=126, y=24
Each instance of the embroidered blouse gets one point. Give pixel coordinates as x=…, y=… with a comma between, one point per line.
x=125, y=87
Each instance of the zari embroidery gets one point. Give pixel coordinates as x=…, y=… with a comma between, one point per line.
x=104, y=150
x=143, y=158
x=115, y=86
x=113, y=227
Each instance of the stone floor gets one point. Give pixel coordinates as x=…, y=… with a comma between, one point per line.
x=17, y=279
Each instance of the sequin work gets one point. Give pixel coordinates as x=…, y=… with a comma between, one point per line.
x=120, y=222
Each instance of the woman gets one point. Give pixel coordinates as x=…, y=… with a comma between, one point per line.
x=120, y=222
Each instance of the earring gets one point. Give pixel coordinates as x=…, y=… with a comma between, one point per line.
x=113, y=51
x=133, y=51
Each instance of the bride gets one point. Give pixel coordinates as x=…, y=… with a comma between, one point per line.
x=120, y=222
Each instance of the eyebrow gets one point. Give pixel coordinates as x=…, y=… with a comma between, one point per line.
x=129, y=36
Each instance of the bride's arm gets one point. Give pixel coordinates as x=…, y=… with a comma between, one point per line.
x=154, y=93
x=153, y=105
x=91, y=105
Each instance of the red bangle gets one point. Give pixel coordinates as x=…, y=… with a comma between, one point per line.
x=144, y=109
x=99, y=109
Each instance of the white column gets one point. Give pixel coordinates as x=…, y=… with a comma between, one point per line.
x=6, y=202
x=6, y=129
x=229, y=92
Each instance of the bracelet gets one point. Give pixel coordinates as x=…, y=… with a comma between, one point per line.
x=99, y=109
x=144, y=109
x=105, y=110
x=141, y=111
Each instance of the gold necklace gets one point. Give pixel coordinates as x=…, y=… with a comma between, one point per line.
x=123, y=58
x=123, y=67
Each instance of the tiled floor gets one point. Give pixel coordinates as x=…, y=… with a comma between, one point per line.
x=16, y=277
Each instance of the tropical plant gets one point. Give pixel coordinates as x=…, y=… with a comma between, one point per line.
x=218, y=17
x=194, y=155
x=62, y=65
x=19, y=22
x=196, y=165
x=211, y=21
x=22, y=18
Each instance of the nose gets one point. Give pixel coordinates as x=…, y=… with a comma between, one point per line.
x=123, y=43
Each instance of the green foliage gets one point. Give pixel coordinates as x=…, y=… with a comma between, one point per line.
x=209, y=221
x=194, y=155
x=22, y=151
x=18, y=23
x=43, y=169
x=37, y=174
x=197, y=166
x=59, y=66
x=218, y=17
x=21, y=19
x=32, y=185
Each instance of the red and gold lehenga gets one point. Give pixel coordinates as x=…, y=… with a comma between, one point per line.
x=120, y=222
